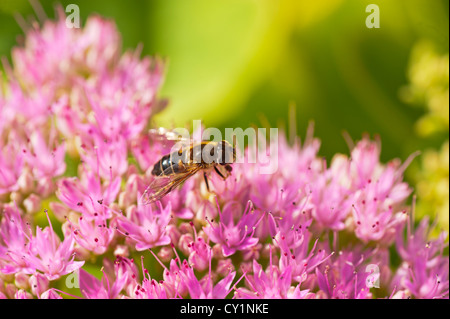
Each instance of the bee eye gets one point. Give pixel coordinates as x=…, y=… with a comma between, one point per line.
x=228, y=168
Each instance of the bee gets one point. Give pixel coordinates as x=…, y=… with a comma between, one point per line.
x=175, y=168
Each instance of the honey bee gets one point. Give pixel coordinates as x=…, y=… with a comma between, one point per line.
x=175, y=168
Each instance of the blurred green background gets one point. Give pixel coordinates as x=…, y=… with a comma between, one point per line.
x=233, y=62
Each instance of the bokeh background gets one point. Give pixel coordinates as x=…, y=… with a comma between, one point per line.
x=234, y=63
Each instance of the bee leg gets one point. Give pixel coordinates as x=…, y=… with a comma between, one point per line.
x=206, y=181
x=218, y=172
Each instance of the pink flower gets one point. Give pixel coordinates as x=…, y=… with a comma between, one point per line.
x=11, y=165
x=233, y=235
x=331, y=201
x=50, y=294
x=378, y=207
x=111, y=285
x=39, y=284
x=150, y=289
x=51, y=256
x=379, y=195
x=55, y=55
x=22, y=294
x=365, y=162
x=344, y=277
x=205, y=289
x=15, y=238
x=424, y=271
x=47, y=160
x=271, y=284
x=28, y=109
x=93, y=235
x=146, y=226
x=109, y=155
x=123, y=100
x=89, y=195
x=173, y=281
x=198, y=257
x=428, y=279
x=300, y=258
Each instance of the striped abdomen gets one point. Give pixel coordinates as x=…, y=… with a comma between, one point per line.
x=166, y=165
x=170, y=164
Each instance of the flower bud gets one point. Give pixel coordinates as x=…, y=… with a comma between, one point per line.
x=45, y=187
x=224, y=267
x=22, y=294
x=59, y=210
x=32, y=203
x=21, y=280
x=82, y=253
x=217, y=251
x=10, y=291
x=26, y=181
x=185, y=242
x=121, y=250
x=173, y=232
x=126, y=199
x=16, y=197
x=185, y=228
x=165, y=254
x=38, y=283
x=50, y=294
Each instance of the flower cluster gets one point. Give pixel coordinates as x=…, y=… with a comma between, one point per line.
x=76, y=155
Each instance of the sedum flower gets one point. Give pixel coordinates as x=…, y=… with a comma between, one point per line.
x=15, y=237
x=271, y=284
x=112, y=282
x=380, y=193
x=11, y=165
x=55, y=56
x=344, y=276
x=205, y=288
x=47, y=161
x=424, y=270
x=146, y=226
x=51, y=256
x=94, y=235
x=150, y=289
x=233, y=235
x=89, y=195
x=50, y=294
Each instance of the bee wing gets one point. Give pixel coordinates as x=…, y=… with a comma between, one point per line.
x=165, y=183
x=164, y=135
x=170, y=141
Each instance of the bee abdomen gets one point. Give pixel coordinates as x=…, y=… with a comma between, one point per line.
x=167, y=166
